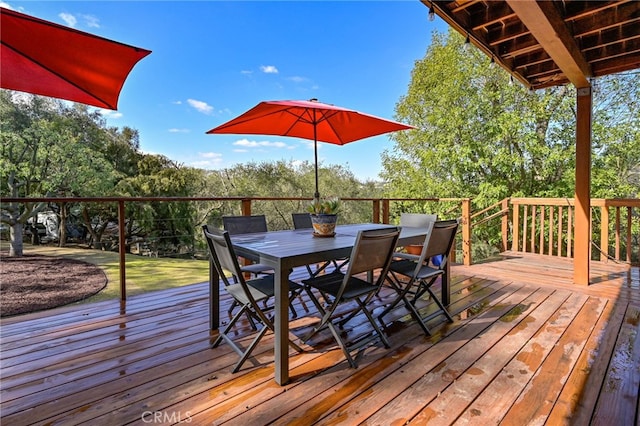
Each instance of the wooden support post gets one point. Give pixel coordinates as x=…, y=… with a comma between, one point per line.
x=604, y=233
x=550, y=238
x=582, y=243
x=385, y=211
x=617, y=232
x=629, y=239
x=466, y=231
x=122, y=249
x=505, y=225
x=246, y=211
x=560, y=217
x=375, y=216
x=246, y=207
x=515, y=238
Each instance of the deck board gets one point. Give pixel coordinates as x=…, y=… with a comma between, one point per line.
x=526, y=347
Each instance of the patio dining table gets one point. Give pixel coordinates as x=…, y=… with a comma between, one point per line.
x=284, y=250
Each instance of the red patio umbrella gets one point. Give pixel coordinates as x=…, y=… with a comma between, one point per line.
x=309, y=120
x=48, y=59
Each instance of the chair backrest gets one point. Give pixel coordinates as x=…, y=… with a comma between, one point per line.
x=237, y=225
x=224, y=258
x=418, y=220
x=441, y=240
x=301, y=221
x=372, y=250
x=223, y=255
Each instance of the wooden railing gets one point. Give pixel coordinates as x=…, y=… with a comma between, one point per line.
x=382, y=210
x=535, y=225
x=546, y=226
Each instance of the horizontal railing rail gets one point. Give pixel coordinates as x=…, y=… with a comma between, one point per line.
x=537, y=225
x=381, y=211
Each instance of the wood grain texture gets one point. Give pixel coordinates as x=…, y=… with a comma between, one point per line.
x=526, y=346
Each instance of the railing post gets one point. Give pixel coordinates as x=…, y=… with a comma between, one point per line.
x=375, y=215
x=505, y=225
x=604, y=232
x=385, y=211
x=466, y=231
x=246, y=207
x=629, y=216
x=122, y=249
x=515, y=237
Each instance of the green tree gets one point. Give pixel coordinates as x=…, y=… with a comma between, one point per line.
x=49, y=149
x=170, y=226
x=616, y=137
x=480, y=136
x=285, y=179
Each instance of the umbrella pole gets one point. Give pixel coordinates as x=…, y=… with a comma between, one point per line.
x=316, y=196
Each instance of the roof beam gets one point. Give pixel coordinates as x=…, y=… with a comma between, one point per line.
x=548, y=27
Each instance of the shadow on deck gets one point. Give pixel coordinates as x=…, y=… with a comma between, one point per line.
x=527, y=346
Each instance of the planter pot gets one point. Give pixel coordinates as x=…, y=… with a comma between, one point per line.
x=324, y=225
x=414, y=249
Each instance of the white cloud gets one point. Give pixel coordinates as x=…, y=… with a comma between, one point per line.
x=174, y=130
x=91, y=21
x=6, y=5
x=298, y=79
x=69, y=19
x=309, y=144
x=246, y=143
x=211, y=155
x=208, y=160
x=245, y=72
x=109, y=113
x=200, y=106
x=269, y=69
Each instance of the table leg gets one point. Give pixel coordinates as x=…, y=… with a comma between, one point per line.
x=214, y=297
x=446, y=285
x=281, y=324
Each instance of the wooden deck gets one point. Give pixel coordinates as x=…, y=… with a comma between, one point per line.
x=526, y=347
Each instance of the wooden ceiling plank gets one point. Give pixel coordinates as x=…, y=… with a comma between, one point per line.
x=618, y=65
x=579, y=9
x=516, y=48
x=614, y=51
x=625, y=13
x=548, y=27
x=463, y=5
x=629, y=31
x=498, y=12
x=505, y=33
x=531, y=60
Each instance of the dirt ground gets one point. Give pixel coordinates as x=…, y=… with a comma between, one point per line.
x=34, y=282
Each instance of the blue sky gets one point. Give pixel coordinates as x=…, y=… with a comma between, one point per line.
x=213, y=60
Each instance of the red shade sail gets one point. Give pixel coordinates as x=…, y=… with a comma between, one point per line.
x=309, y=120
x=48, y=59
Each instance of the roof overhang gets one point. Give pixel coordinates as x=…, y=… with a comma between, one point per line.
x=550, y=43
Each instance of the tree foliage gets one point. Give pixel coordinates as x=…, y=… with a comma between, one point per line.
x=481, y=136
x=286, y=179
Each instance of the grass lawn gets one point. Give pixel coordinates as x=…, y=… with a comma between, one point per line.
x=143, y=274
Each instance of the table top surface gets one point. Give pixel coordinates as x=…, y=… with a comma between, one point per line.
x=302, y=244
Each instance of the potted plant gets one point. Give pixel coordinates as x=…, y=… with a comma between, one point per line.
x=324, y=216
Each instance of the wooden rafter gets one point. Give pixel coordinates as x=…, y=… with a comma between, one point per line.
x=550, y=30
